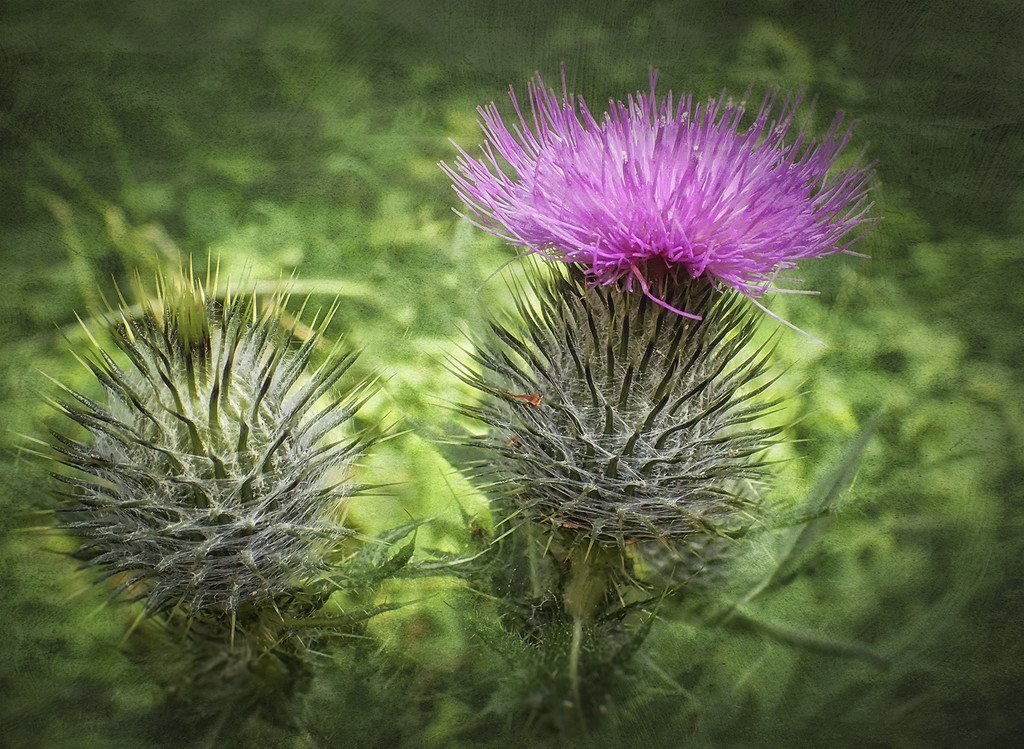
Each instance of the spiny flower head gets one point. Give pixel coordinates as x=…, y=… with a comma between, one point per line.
x=653, y=191
x=212, y=473
x=617, y=421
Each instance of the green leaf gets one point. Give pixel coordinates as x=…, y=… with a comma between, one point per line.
x=819, y=507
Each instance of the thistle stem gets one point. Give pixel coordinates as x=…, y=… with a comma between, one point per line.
x=574, y=667
x=584, y=593
x=588, y=580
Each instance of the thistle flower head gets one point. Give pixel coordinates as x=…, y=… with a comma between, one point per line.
x=655, y=191
x=615, y=420
x=211, y=475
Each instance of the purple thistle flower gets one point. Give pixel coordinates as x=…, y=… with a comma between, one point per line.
x=653, y=190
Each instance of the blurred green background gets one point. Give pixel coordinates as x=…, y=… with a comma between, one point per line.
x=303, y=137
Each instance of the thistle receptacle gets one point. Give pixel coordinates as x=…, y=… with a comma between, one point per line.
x=617, y=422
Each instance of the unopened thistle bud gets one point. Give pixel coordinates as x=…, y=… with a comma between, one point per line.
x=214, y=474
x=211, y=481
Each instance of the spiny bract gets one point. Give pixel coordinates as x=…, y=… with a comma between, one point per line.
x=617, y=420
x=213, y=473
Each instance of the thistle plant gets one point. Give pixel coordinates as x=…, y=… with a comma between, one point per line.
x=212, y=481
x=626, y=439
